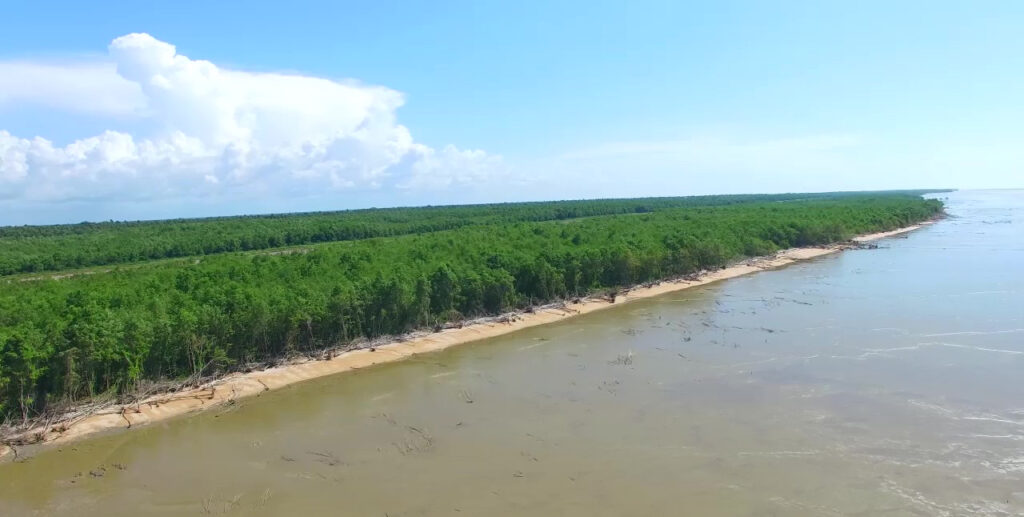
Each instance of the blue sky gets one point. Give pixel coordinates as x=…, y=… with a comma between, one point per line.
x=321, y=105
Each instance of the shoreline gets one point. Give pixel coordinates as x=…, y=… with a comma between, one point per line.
x=229, y=388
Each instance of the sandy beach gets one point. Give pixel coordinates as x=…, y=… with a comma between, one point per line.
x=230, y=388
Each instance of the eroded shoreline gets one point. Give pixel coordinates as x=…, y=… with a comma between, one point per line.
x=235, y=386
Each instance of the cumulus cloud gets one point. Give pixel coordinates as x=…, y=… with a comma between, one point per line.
x=201, y=129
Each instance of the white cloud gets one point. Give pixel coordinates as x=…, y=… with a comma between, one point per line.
x=719, y=150
x=716, y=164
x=441, y=169
x=200, y=129
x=86, y=87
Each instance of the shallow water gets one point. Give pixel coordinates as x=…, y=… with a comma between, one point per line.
x=871, y=382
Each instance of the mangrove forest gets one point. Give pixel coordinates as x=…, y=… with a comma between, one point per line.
x=148, y=302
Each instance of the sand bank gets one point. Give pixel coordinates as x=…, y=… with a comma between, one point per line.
x=239, y=385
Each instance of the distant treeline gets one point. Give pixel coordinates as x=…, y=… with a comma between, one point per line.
x=33, y=249
x=65, y=340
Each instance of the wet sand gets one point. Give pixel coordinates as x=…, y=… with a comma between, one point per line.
x=233, y=387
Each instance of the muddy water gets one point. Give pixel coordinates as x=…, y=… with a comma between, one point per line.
x=873, y=382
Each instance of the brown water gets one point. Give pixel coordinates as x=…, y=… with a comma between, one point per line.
x=874, y=382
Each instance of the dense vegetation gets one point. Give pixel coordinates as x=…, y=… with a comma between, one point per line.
x=31, y=249
x=64, y=340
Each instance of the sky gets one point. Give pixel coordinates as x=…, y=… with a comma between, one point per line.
x=148, y=110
